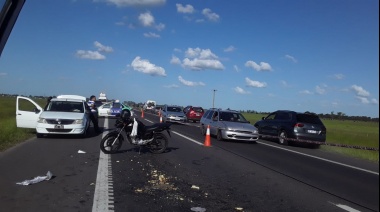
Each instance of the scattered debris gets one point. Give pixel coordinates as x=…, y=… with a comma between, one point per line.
x=198, y=209
x=38, y=179
x=238, y=208
x=80, y=151
x=195, y=187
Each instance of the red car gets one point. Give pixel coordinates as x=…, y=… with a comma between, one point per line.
x=193, y=113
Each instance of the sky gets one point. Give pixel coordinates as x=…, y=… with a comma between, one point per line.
x=320, y=56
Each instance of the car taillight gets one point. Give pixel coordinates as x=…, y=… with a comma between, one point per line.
x=298, y=125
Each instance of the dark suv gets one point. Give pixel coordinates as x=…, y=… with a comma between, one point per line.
x=289, y=124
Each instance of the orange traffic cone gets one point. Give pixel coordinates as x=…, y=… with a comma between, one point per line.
x=142, y=113
x=207, y=139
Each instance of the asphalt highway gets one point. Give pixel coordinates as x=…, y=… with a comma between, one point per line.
x=228, y=176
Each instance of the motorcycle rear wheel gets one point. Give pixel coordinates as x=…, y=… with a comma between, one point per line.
x=159, y=144
x=106, y=144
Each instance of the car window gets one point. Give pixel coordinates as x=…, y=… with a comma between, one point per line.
x=270, y=116
x=205, y=114
x=198, y=109
x=174, y=109
x=65, y=106
x=283, y=116
x=107, y=106
x=306, y=118
x=209, y=115
x=232, y=117
x=116, y=105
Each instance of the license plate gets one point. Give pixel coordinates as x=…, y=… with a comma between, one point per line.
x=312, y=131
x=59, y=126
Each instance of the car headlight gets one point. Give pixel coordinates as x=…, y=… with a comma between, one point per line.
x=78, y=121
x=255, y=131
x=42, y=120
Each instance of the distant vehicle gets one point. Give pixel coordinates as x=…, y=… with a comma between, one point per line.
x=149, y=106
x=117, y=107
x=172, y=113
x=102, y=97
x=228, y=125
x=104, y=109
x=66, y=114
x=193, y=113
x=290, y=124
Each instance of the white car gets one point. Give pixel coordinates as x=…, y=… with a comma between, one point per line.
x=66, y=114
x=104, y=110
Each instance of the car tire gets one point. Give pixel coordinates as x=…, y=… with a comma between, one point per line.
x=219, y=136
x=282, y=138
x=203, y=131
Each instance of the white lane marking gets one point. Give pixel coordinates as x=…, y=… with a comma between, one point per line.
x=103, y=200
x=312, y=156
x=190, y=139
x=345, y=207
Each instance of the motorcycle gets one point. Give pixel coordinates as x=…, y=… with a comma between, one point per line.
x=150, y=137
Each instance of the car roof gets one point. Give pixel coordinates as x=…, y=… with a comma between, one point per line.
x=72, y=98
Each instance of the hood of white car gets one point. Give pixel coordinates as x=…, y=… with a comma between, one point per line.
x=61, y=115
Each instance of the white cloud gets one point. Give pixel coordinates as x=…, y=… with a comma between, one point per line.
x=146, y=19
x=91, y=55
x=236, y=68
x=360, y=91
x=175, y=60
x=146, y=67
x=185, y=9
x=190, y=83
x=241, y=90
x=338, y=76
x=262, y=67
x=128, y=3
x=291, y=58
x=3, y=74
x=229, y=49
x=374, y=101
x=320, y=90
x=306, y=92
x=363, y=100
x=160, y=27
x=210, y=15
x=171, y=86
x=151, y=35
x=102, y=48
x=256, y=84
x=201, y=59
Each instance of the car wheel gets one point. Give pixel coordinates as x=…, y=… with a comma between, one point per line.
x=282, y=138
x=203, y=131
x=219, y=136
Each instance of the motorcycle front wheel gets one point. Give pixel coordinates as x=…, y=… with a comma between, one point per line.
x=159, y=144
x=108, y=146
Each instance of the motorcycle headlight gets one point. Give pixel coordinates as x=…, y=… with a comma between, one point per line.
x=78, y=121
x=42, y=120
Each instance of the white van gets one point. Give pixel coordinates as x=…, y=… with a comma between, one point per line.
x=149, y=105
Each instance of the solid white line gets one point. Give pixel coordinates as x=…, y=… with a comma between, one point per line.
x=312, y=156
x=345, y=207
x=101, y=195
x=190, y=139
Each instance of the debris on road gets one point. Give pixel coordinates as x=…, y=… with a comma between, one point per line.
x=195, y=187
x=198, y=209
x=80, y=151
x=38, y=179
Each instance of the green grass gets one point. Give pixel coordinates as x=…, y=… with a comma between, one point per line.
x=10, y=135
x=352, y=133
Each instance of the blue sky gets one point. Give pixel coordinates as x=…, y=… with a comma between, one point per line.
x=262, y=55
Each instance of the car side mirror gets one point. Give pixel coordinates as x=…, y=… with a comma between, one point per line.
x=36, y=110
x=262, y=118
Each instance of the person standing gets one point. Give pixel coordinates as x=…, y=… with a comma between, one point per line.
x=94, y=113
x=47, y=102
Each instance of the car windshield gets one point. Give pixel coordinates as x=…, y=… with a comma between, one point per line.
x=198, y=109
x=116, y=105
x=306, y=118
x=65, y=106
x=174, y=109
x=232, y=117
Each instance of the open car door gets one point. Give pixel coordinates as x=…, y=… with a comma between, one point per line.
x=27, y=112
